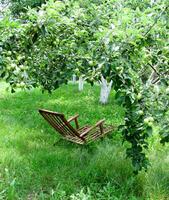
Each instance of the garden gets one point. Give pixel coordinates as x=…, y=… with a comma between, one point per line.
x=98, y=59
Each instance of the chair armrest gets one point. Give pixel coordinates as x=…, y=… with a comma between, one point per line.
x=75, y=119
x=99, y=123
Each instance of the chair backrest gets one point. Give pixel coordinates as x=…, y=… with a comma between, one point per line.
x=59, y=123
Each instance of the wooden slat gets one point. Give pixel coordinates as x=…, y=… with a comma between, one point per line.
x=72, y=129
x=75, y=140
x=60, y=124
x=50, y=121
x=48, y=117
x=96, y=134
x=67, y=129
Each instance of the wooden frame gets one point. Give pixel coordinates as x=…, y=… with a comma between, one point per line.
x=77, y=135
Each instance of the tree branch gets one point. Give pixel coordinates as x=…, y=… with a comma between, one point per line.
x=155, y=70
x=156, y=20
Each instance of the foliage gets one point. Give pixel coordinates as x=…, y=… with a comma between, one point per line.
x=160, y=100
x=18, y=7
x=120, y=40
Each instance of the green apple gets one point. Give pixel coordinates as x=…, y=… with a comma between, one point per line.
x=139, y=96
x=120, y=69
x=18, y=85
x=148, y=120
x=9, y=53
x=150, y=124
x=19, y=58
x=55, y=43
x=91, y=63
x=151, y=119
x=13, y=66
x=140, y=112
x=76, y=70
x=8, y=67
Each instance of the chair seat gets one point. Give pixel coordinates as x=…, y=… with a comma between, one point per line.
x=75, y=139
x=82, y=129
x=94, y=134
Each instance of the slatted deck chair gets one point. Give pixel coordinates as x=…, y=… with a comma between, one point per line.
x=77, y=135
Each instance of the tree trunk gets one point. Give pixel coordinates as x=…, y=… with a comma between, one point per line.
x=105, y=90
x=74, y=79
x=81, y=83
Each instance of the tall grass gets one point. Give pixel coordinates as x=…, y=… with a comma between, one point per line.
x=32, y=168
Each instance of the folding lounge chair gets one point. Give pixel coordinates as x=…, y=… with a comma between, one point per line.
x=77, y=135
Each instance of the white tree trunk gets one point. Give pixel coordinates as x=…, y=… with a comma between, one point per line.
x=81, y=83
x=105, y=90
x=74, y=79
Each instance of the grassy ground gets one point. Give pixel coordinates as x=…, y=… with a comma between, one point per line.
x=32, y=168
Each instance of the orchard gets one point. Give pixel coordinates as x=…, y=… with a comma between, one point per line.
x=125, y=42
x=118, y=49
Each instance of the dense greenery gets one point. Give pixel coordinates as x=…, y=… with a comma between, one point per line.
x=32, y=168
x=123, y=41
x=18, y=7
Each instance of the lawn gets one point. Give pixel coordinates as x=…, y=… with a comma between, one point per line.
x=31, y=167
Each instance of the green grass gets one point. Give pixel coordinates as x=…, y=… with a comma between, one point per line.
x=32, y=168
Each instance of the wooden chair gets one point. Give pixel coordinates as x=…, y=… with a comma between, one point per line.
x=77, y=135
